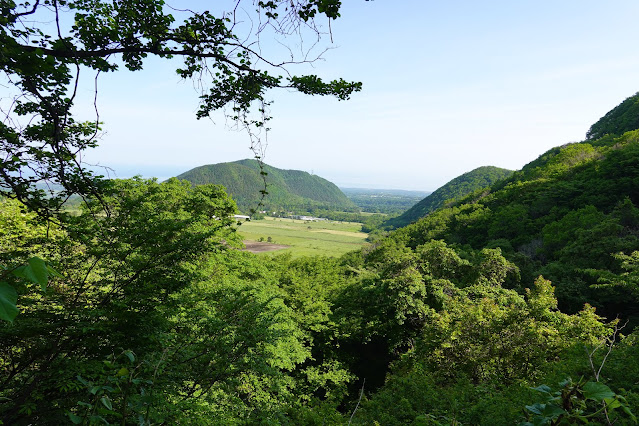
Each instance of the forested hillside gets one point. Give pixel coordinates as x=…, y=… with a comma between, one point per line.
x=288, y=190
x=516, y=304
x=457, y=188
x=623, y=118
x=562, y=216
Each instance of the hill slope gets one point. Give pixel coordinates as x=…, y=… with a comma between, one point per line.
x=462, y=185
x=287, y=189
x=562, y=216
x=623, y=118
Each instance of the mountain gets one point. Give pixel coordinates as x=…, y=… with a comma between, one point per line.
x=565, y=215
x=461, y=186
x=623, y=118
x=287, y=189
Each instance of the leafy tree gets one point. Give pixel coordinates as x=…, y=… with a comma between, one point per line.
x=490, y=334
x=473, y=359
x=586, y=402
x=230, y=349
x=24, y=241
x=42, y=139
x=311, y=287
x=108, y=332
x=121, y=261
x=628, y=279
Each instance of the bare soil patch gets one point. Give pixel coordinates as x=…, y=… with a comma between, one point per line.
x=261, y=247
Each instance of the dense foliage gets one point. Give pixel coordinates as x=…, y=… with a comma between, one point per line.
x=457, y=188
x=496, y=309
x=157, y=319
x=286, y=190
x=121, y=262
x=567, y=212
x=621, y=119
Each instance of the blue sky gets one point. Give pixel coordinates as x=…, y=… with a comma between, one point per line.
x=448, y=87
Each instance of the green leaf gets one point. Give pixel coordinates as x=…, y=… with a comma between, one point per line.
x=597, y=391
x=106, y=402
x=627, y=410
x=95, y=419
x=536, y=408
x=35, y=271
x=8, y=300
x=612, y=403
x=19, y=271
x=130, y=355
x=75, y=419
x=543, y=388
x=553, y=411
x=52, y=272
x=81, y=380
x=565, y=382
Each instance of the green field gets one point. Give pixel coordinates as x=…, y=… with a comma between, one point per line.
x=326, y=238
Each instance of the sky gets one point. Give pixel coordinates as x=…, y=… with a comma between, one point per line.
x=447, y=87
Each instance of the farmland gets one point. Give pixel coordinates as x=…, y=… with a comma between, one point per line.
x=303, y=238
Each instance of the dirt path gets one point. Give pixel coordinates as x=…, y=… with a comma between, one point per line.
x=258, y=247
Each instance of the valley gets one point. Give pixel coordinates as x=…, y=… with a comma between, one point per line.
x=494, y=285
x=304, y=238
x=240, y=293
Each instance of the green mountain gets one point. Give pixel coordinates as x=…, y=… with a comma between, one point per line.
x=289, y=190
x=479, y=178
x=623, y=118
x=564, y=216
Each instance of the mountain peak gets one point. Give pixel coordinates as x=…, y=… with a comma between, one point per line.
x=621, y=119
x=286, y=189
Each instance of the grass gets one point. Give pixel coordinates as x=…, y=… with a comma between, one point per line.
x=325, y=238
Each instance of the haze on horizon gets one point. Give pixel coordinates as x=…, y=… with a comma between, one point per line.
x=447, y=88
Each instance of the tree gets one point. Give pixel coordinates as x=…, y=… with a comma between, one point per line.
x=121, y=265
x=41, y=140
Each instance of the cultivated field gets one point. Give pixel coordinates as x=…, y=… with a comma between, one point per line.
x=326, y=238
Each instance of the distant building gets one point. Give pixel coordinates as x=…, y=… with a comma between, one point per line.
x=241, y=216
x=307, y=218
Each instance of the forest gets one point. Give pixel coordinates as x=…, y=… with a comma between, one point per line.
x=516, y=303
x=459, y=187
